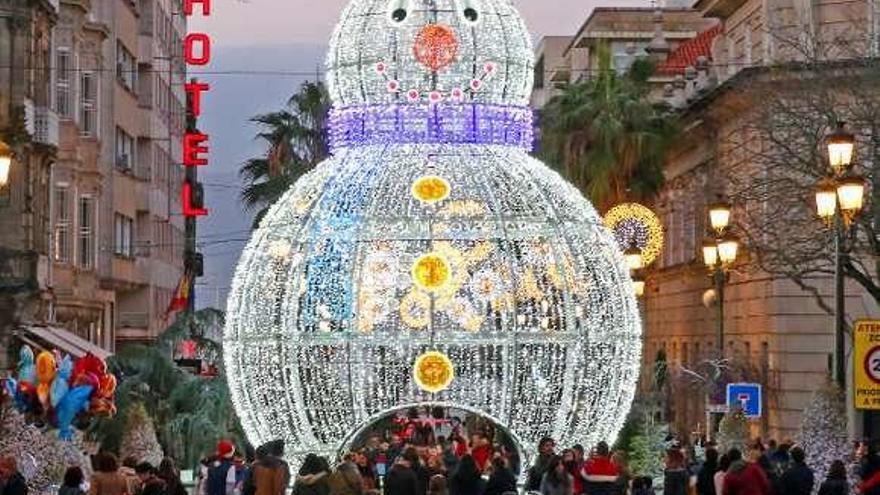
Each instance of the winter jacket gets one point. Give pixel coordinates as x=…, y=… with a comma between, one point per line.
x=154, y=486
x=501, y=481
x=706, y=479
x=745, y=478
x=536, y=472
x=312, y=484
x=114, y=483
x=600, y=476
x=797, y=480
x=15, y=485
x=548, y=487
x=575, y=471
x=834, y=486
x=69, y=490
x=675, y=481
x=269, y=476
x=221, y=478
x=459, y=485
x=346, y=480
x=401, y=480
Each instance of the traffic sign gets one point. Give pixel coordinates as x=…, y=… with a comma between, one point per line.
x=747, y=396
x=866, y=364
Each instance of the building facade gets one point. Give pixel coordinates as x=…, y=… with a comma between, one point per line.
x=29, y=130
x=105, y=125
x=776, y=332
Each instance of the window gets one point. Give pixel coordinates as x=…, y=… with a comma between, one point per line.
x=62, y=224
x=63, y=104
x=124, y=228
x=88, y=108
x=124, y=150
x=86, y=237
x=126, y=67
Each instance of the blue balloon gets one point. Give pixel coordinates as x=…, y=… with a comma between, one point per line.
x=73, y=403
x=60, y=385
x=27, y=372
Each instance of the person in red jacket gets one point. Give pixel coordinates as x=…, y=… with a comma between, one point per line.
x=745, y=478
x=481, y=450
x=600, y=473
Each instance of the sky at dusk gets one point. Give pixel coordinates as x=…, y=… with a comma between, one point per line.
x=262, y=51
x=249, y=22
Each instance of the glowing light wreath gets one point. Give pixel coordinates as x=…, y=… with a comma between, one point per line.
x=633, y=223
x=532, y=304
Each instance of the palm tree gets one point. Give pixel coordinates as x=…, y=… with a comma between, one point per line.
x=606, y=136
x=296, y=138
x=191, y=413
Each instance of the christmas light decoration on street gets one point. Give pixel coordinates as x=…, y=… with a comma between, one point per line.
x=431, y=260
x=639, y=233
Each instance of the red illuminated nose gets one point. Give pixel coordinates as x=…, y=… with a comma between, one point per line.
x=436, y=46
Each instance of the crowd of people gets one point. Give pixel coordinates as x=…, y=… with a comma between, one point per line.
x=477, y=466
x=763, y=469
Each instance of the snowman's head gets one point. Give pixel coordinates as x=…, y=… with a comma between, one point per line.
x=430, y=51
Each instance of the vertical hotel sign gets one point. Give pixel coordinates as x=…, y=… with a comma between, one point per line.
x=196, y=53
x=866, y=365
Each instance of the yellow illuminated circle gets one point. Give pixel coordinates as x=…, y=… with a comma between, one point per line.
x=433, y=372
x=430, y=189
x=431, y=272
x=627, y=218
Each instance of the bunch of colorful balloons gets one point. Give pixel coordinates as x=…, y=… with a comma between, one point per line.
x=56, y=390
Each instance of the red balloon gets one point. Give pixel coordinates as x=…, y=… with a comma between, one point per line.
x=89, y=364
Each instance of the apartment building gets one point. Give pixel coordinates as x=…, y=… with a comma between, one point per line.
x=775, y=331
x=628, y=33
x=92, y=231
x=29, y=135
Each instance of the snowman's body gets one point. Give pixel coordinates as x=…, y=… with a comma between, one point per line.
x=532, y=302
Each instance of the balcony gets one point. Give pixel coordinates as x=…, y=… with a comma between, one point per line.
x=46, y=123
x=41, y=123
x=134, y=320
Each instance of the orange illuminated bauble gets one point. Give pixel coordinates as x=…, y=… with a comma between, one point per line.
x=431, y=272
x=433, y=371
x=436, y=46
x=430, y=189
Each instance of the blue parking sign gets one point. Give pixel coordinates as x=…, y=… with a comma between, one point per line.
x=747, y=396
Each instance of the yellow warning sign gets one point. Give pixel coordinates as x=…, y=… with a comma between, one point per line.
x=866, y=364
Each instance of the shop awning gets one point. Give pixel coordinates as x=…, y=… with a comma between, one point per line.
x=50, y=338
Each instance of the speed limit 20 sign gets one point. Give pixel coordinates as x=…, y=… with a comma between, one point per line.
x=866, y=365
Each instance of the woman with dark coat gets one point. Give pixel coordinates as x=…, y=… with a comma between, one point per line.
x=556, y=480
x=312, y=477
x=835, y=483
x=502, y=478
x=467, y=480
x=675, y=476
x=706, y=476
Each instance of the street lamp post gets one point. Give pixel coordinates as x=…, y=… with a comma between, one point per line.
x=839, y=198
x=719, y=253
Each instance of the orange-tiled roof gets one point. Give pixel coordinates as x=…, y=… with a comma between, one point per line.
x=686, y=54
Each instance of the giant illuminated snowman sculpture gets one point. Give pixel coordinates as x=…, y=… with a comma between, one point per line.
x=431, y=260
